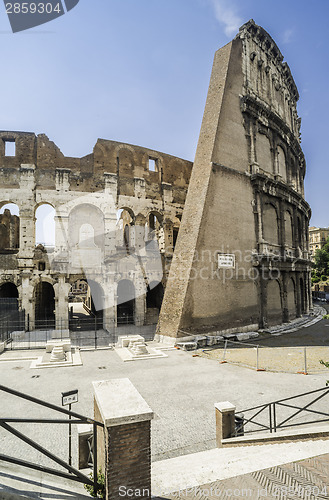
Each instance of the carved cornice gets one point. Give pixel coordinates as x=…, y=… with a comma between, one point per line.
x=268, y=45
x=280, y=190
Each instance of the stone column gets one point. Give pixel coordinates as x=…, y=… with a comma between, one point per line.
x=28, y=300
x=140, y=233
x=61, y=308
x=124, y=449
x=140, y=302
x=110, y=304
x=225, y=423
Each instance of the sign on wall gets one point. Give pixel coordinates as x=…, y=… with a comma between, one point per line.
x=226, y=260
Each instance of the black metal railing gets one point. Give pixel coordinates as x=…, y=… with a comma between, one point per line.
x=74, y=418
x=83, y=332
x=266, y=417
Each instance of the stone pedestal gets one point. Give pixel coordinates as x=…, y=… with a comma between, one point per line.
x=124, y=450
x=225, y=422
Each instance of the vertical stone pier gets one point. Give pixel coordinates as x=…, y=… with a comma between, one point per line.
x=225, y=422
x=124, y=449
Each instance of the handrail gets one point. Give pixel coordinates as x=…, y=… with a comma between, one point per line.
x=50, y=405
x=284, y=399
x=272, y=406
x=73, y=473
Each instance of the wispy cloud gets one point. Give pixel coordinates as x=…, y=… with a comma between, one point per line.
x=226, y=14
x=287, y=35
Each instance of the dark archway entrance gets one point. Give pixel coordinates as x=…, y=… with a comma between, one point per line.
x=8, y=299
x=154, y=297
x=126, y=303
x=302, y=296
x=44, y=305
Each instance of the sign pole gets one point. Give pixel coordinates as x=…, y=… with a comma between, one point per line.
x=70, y=437
x=68, y=398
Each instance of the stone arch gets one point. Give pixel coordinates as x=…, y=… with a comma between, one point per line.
x=282, y=163
x=9, y=226
x=154, y=229
x=291, y=299
x=264, y=153
x=274, y=302
x=288, y=226
x=45, y=224
x=83, y=214
x=44, y=295
x=126, y=159
x=154, y=298
x=125, y=223
x=9, y=299
x=302, y=296
x=126, y=302
x=270, y=224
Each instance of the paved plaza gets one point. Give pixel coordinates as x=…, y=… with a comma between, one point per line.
x=181, y=389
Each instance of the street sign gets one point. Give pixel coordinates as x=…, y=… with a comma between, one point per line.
x=70, y=397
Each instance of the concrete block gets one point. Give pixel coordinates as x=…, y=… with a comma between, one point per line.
x=187, y=346
x=201, y=340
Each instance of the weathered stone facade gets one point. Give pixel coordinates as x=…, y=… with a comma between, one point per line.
x=89, y=195
x=241, y=259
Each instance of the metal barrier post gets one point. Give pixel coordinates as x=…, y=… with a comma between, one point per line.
x=270, y=414
x=95, y=331
x=95, y=458
x=223, y=360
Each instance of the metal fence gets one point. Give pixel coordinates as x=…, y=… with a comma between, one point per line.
x=297, y=359
x=284, y=413
x=84, y=333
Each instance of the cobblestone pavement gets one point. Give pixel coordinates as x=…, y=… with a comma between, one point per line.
x=304, y=480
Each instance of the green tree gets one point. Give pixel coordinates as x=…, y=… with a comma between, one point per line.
x=321, y=260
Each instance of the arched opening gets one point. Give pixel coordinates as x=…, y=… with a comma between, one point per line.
x=274, y=303
x=270, y=224
x=154, y=297
x=125, y=225
x=291, y=299
x=154, y=230
x=299, y=233
x=45, y=226
x=125, y=303
x=44, y=305
x=8, y=299
x=85, y=306
x=282, y=164
x=86, y=226
x=9, y=228
x=302, y=296
x=288, y=224
x=264, y=156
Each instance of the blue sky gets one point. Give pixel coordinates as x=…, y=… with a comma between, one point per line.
x=138, y=71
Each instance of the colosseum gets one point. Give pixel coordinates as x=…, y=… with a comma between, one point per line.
x=146, y=239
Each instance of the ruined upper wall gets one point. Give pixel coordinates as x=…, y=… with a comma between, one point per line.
x=266, y=77
x=86, y=174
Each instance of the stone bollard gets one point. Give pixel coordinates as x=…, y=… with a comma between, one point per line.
x=124, y=449
x=225, y=422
